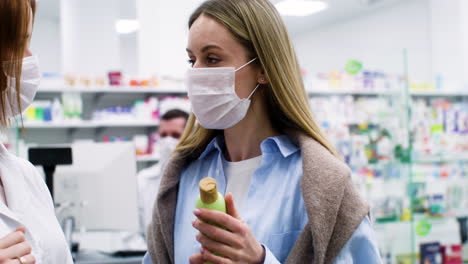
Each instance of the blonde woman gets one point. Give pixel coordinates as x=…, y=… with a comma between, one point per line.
x=289, y=197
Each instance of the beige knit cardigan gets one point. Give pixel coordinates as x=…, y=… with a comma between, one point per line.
x=334, y=207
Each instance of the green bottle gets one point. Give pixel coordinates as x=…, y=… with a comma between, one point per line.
x=210, y=198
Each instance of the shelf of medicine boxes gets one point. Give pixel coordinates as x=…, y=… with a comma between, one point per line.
x=150, y=90
x=148, y=158
x=418, y=217
x=421, y=160
x=445, y=158
x=349, y=92
x=429, y=93
x=114, y=89
x=98, y=90
x=435, y=93
x=90, y=124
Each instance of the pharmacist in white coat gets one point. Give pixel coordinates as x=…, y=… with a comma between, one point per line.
x=171, y=128
x=29, y=230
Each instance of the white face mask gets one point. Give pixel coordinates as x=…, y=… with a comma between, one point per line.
x=30, y=79
x=213, y=96
x=165, y=146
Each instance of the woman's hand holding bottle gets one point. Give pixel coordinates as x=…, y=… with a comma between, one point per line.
x=234, y=244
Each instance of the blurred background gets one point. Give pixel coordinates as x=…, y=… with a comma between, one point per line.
x=387, y=80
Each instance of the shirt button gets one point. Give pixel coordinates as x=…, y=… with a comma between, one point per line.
x=217, y=172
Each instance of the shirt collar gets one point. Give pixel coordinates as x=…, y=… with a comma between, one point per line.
x=280, y=144
x=216, y=144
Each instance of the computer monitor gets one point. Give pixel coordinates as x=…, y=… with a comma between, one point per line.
x=102, y=179
x=49, y=158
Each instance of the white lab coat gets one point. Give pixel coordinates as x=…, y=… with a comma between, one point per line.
x=148, y=185
x=30, y=205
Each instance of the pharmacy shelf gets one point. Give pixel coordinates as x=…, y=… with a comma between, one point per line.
x=433, y=220
x=147, y=158
x=440, y=93
x=350, y=92
x=114, y=89
x=89, y=124
x=152, y=90
x=389, y=222
x=446, y=158
x=389, y=93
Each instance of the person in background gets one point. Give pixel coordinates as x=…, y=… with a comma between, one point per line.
x=171, y=128
x=289, y=197
x=29, y=230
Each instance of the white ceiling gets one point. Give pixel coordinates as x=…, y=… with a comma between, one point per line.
x=338, y=11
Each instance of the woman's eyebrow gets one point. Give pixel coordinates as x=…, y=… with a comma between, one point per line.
x=207, y=47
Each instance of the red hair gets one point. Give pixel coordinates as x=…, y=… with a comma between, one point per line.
x=16, y=16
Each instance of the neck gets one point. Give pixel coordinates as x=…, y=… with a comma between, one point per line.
x=243, y=140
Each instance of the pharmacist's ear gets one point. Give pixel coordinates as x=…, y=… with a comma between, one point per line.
x=261, y=78
x=230, y=207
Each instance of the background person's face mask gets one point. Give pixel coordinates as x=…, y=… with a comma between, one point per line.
x=165, y=146
x=213, y=96
x=30, y=79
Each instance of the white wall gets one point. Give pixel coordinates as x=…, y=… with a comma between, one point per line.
x=376, y=39
x=129, y=53
x=89, y=40
x=80, y=38
x=45, y=43
x=435, y=32
x=162, y=39
x=129, y=42
x=447, y=41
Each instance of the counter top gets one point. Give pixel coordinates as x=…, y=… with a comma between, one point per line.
x=95, y=257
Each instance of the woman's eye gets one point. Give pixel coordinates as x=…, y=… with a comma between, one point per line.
x=211, y=60
x=191, y=62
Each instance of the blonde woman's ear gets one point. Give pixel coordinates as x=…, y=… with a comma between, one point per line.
x=262, y=77
x=262, y=80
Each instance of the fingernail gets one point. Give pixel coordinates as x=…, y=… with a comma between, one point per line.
x=193, y=222
x=202, y=250
x=197, y=212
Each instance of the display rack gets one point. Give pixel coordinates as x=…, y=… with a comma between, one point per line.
x=147, y=158
x=446, y=158
x=461, y=93
x=115, y=90
x=397, y=187
x=66, y=131
x=331, y=92
x=89, y=124
x=429, y=93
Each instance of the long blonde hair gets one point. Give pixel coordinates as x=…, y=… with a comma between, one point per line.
x=259, y=28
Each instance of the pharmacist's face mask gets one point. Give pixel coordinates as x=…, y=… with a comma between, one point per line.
x=213, y=96
x=30, y=79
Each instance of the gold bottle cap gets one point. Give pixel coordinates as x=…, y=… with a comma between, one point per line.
x=208, y=190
